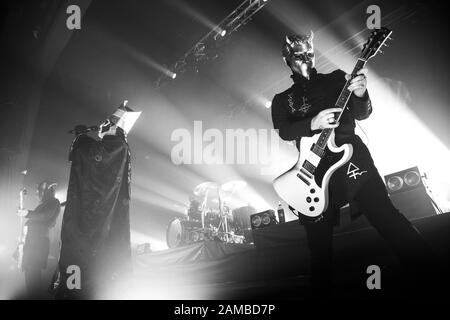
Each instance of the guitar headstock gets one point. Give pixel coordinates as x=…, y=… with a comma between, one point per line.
x=376, y=40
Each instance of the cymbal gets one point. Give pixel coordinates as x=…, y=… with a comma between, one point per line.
x=233, y=185
x=201, y=189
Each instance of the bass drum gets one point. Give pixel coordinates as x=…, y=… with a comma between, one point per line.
x=181, y=232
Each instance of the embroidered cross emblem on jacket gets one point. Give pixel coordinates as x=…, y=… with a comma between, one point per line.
x=303, y=108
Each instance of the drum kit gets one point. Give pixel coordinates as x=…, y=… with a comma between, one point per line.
x=209, y=217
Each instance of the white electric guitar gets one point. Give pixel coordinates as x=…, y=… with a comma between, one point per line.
x=305, y=186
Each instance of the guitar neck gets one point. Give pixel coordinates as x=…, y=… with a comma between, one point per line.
x=340, y=103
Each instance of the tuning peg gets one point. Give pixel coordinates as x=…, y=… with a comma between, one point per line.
x=380, y=51
x=384, y=44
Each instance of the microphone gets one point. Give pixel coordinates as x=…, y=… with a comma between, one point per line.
x=81, y=128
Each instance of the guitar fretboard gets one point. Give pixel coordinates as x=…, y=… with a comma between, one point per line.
x=340, y=103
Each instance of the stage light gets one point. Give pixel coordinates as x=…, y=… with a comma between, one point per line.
x=170, y=74
x=219, y=32
x=268, y=104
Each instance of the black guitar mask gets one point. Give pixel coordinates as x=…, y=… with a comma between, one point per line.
x=298, y=53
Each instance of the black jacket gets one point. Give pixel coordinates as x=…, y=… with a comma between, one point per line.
x=41, y=219
x=292, y=115
x=37, y=243
x=293, y=110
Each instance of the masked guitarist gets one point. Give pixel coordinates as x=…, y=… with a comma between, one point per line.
x=304, y=110
x=37, y=244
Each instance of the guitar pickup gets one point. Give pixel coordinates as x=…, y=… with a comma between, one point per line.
x=317, y=150
x=308, y=166
x=303, y=179
x=306, y=173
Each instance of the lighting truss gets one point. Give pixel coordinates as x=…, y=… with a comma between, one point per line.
x=205, y=48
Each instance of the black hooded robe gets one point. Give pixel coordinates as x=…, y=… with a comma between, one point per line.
x=95, y=234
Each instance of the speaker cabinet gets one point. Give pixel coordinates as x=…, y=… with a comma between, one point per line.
x=414, y=203
x=408, y=193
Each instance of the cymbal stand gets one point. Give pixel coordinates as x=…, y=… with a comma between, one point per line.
x=223, y=217
x=204, y=209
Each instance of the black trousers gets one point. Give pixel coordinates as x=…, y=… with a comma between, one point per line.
x=414, y=254
x=33, y=282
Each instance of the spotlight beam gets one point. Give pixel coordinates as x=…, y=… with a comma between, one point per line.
x=239, y=17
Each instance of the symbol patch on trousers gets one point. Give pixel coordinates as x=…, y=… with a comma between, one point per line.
x=353, y=171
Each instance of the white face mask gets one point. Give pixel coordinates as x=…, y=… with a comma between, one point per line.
x=302, y=60
x=299, y=54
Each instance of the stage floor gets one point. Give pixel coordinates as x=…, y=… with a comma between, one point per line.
x=278, y=268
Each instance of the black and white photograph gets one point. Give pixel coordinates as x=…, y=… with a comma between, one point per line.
x=225, y=158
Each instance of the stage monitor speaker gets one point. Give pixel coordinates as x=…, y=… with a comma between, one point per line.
x=263, y=219
x=404, y=180
x=408, y=193
x=414, y=203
